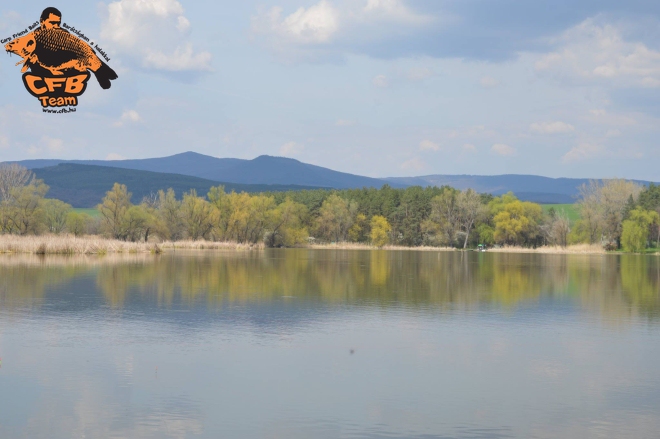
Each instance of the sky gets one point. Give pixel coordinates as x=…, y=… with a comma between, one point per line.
x=380, y=88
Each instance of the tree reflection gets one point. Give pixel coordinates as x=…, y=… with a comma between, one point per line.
x=618, y=287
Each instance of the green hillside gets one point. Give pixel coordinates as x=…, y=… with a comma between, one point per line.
x=570, y=209
x=86, y=185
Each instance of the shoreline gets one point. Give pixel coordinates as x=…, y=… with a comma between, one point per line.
x=94, y=245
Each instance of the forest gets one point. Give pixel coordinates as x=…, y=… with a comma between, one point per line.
x=617, y=214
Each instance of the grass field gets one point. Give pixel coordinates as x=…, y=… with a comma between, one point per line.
x=91, y=211
x=570, y=209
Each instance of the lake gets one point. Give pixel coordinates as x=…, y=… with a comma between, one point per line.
x=330, y=344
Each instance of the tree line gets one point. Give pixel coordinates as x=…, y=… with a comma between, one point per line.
x=615, y=213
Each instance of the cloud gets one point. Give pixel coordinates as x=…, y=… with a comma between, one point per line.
x=414, y=164
x=52, y=144
x=393, y=10
x=551, y=127
x=333, y=27
x=128, y=117
x=503, y=150
x=114, y=156
x=291, y=149
x=599, y=52
x=427, y=145
x=345, y=123
x=152, y=34
x=468, y=147
x=488, y=82
x=582, y=152
x=419, y=73
x=314, y=25
x=381, y=81
x=4, y=142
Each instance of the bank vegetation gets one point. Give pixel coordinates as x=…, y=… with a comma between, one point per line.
x=614, y=214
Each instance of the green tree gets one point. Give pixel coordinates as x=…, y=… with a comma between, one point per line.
x=335, y=218
x=380, y=231
x=636, y=229
x=113, y=210
x=288, y=225
x=25, y=207
x=55, y=215
x=168, y=212
x=76, y=223
x=516, y=222
x=197, y=216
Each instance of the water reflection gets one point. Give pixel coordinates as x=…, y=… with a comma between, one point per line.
x=618, y=287
x=336, y=344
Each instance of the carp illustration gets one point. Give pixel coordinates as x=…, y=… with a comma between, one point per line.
x=57, y=51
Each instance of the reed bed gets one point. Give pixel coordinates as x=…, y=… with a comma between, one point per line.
x=94, y=245
x=363, y=246
x=581, y=249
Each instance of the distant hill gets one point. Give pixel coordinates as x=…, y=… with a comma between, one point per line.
x=268, y=170
x=86, y=185
x=261, y=170
x=526, y=187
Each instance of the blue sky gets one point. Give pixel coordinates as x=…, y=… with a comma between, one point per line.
x=372, y=87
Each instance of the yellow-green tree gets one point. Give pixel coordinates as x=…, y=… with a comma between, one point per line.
x=25, y=208
x=336, y=218
x=288, y=227
x=516, y=222
x=380, y=231
x=168, y=214
x=358, y=231
x=76, y=223
x=197, y=215
x=55, y=215
x=636, y=229
x=113, y=210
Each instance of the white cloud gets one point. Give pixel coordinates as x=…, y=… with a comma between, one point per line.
x=381, y=81
x=114, y=156
x=127, y=117
x=291, y=149
x=393, y=10
x=582, y=152
x=557, y=127
x=427, y=145
x=488, y=82
x=4, y=142
x=592, y=51
x=414, y=164
x=345, y=123
x=153, y=34
x=419, y=73
x=503, y=150
x=345, y=23
x=52, y=144
x=468, y=147
x=314, y=25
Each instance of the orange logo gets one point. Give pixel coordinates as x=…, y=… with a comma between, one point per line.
x=56, y=63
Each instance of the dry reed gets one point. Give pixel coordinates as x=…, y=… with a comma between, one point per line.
x=363, y=246
x=94, y=245
x=571, y=249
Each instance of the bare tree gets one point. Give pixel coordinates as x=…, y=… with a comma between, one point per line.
x=13, y=176
x=470, y=209
x=602, y=207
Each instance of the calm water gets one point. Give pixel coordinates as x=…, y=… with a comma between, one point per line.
x=330, y=344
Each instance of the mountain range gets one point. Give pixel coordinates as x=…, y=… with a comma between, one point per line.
x=83, y=183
